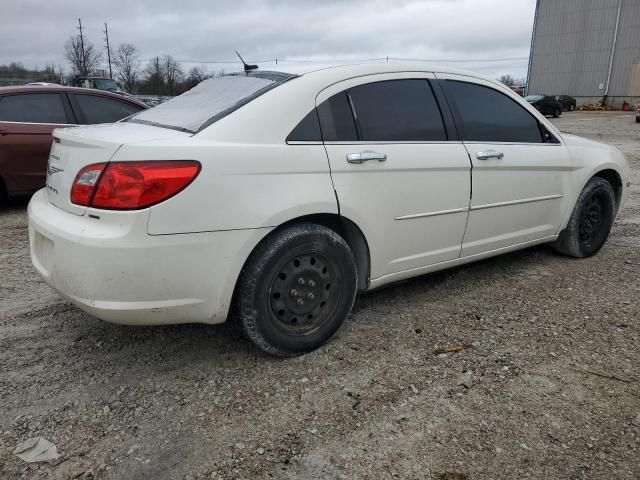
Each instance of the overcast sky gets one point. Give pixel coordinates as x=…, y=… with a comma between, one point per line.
x=195, y=32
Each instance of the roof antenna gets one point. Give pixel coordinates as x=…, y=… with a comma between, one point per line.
x=247, y=67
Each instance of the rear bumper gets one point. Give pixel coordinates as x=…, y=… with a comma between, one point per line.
x=111, y=268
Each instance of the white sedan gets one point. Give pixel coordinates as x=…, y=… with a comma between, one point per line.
x=272, y=198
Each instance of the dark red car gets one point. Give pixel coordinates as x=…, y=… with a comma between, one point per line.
x=29, y=114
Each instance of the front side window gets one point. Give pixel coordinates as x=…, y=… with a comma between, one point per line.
x=33, y=108
x=489, y=116
x=95, y=109
x=397, y=111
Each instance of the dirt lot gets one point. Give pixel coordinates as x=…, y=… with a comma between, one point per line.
x=550, y=387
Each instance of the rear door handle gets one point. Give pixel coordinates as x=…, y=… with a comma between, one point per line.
x=487, y=154
x=366, y=156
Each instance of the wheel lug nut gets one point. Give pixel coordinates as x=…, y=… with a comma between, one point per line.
x=311, y=296
x=293, y=293
x=301, y=281
x=300, y=301
x=312, y=283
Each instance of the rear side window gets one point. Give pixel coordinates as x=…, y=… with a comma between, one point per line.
x=397, y=110
x=336, y=119
x=487, y=115
x=33, y=108
x=95, y=109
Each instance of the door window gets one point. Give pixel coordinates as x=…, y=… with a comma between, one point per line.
x=33, y=108
x=489, y=116
x=336, y=119
x=396, y=111
x=95, y=109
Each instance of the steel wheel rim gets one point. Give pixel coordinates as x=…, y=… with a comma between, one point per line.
x=592, y=218
x=302, y=293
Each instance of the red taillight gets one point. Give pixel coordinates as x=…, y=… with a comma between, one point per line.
x=132, y=185
x=85, y=183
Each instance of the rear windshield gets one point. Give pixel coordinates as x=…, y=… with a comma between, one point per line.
x=210, y=100
x=533, y=98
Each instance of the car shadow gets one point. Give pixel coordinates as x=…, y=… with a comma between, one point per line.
x=223, y=346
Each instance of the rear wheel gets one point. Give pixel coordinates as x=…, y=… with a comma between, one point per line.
x=590, y=222
x=296, y=289
x=4, y=198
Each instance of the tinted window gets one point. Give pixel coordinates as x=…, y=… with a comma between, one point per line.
x=490, y=116
x=308, y=130
x=33, y=108
x=96, y=109
x=336, y=119
x=397, y=110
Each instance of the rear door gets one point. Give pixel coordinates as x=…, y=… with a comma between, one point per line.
x=94, y=109
x=398, y=171
x=520, y=182
x=26, y=123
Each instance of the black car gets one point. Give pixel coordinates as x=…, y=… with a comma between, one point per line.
x=545, y=104
x=567, y=102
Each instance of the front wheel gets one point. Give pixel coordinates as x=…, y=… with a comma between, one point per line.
x=590, y=222
x=296, y=289
x=556, y=113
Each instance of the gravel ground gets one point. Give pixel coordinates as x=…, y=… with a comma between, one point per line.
x=547, y=388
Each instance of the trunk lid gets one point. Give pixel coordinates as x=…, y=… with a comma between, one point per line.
x=82, y=146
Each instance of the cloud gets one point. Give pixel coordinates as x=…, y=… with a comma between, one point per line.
x=34, y=32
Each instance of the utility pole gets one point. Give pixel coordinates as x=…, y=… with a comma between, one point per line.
x=106, y=38
x=84, y=62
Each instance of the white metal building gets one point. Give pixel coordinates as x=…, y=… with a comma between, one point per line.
x=589, y=49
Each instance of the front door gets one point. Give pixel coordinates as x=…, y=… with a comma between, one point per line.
x=520, y=175
x=398, y=172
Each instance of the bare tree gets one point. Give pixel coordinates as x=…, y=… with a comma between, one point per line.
x=507, y=80
x=195, y=76
x=172, y=73
x=83, y=57
x=153, y=81
x=127, y=62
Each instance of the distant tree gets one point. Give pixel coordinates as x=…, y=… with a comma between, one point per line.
x=153, y=80
x=172, y=74
x=194, y=77
x=51, y=74
x=127, y=62
x=84, y=59
x=508, y=80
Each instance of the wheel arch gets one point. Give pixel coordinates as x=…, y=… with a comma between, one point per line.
x=614, y=178
x=4, y=192
x=352, y=234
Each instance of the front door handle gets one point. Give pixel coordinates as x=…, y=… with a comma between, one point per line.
x=366, y=156
x=487, y=154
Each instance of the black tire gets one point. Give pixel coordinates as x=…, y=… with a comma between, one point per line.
x=556, y=113
x=590, y=222
x=296, y=289
x=637, y=118
x=4, y=198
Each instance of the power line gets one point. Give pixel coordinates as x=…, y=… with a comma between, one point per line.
x=434, y=60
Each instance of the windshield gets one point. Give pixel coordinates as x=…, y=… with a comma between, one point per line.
x=106, y=84
x=533, y=98
x=210, y=100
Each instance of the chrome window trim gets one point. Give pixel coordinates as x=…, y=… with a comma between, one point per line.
x=303, y=142
x=404, y=142
x=543, y=144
